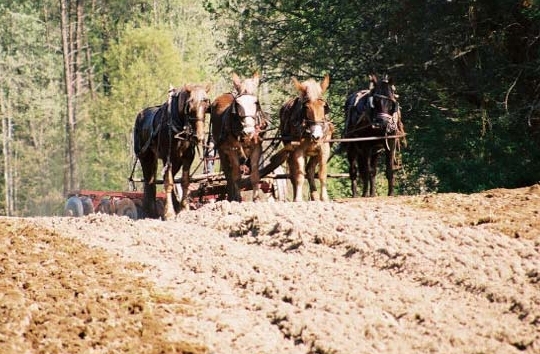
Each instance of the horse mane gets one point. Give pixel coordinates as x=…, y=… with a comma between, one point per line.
x=313, y=90
x=310, y=90
x=248, y=86
x=197, y=92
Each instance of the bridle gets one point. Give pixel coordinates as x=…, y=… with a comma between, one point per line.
x=188, y=111
x=305, y=123
x=184, y=127
x=257, y=117
x=386, y=120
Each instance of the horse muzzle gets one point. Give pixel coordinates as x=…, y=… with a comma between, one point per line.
x=248, y=126
x=316, y=131
x=387, y=122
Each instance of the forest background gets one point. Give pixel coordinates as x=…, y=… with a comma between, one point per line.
x=74, y=74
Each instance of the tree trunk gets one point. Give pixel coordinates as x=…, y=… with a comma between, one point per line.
x=70, y=174
x=6, y=149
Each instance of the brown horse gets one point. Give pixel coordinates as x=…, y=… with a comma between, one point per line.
x=373, y=115
x=170, y=132
x=238, y=125
x=305, y=129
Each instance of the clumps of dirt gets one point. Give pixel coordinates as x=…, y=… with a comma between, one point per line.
x=512, y=212
x=439, y=273
x=59, y=296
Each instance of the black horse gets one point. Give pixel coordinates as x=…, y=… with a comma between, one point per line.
x=372, y=115
x=170, y=132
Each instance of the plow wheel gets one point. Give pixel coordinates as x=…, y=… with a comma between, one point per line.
x=104, y=206
x=280, y=185
x=88, y=207
x=126, y=207
x=73, y=207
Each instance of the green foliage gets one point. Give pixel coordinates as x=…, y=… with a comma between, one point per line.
x=141, y=64
x=467, y=73
x=31, y=100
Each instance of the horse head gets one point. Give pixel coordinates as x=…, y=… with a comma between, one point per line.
x=196, y=107
x=246, y=105
x=314, y=107
x=383, y=102
x=193, y=104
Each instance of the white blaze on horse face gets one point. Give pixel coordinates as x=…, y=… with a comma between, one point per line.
x=316, y=131
x=247, y=105
x=248, y=125
x=201, y=111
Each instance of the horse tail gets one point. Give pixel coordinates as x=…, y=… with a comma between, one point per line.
x=136, y=131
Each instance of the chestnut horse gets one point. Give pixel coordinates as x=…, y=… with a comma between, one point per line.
x=170, y=132
x=305, y=129
x=373, y=115
x=238, y=125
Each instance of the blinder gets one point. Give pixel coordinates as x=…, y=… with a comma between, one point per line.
x=250, y=118
x=326, y=108
x=182, y=126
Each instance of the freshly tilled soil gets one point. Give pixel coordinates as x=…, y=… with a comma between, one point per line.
x=446, y=273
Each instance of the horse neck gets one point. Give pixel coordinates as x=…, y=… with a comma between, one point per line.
x=175, y=115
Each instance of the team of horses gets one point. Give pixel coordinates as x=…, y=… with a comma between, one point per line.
x=173, y=131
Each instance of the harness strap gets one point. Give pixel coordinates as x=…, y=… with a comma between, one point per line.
x=152, y=132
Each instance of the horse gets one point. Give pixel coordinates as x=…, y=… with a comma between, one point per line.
x=305, y=128
x=170, y=132
x=372, y=115
x=237, y=128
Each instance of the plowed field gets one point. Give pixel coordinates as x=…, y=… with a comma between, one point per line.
x=444, y=273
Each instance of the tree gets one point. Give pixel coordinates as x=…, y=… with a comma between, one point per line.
x=467, y=73
x=29, y=109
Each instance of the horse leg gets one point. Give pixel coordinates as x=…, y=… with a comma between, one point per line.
x=353, y=170
x=372, y=165
x=168, y=186
x=390, y=154
x=323, y=171
x=149, y=169
x=310, y=174
x=234, y=176
x=363, y=165
x=184, y=203
x=254, y=173
x=297, y=164
x=180, y=204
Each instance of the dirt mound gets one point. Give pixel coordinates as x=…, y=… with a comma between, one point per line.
x=445, y=273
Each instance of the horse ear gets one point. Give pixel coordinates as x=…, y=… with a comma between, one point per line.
x=236, y=81
x=297, y=84
x=325, y=83
x=256, y=78
x=208, y=87
x=171, y=93
x=372, y=81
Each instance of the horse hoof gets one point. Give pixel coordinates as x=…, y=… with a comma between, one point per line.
x=168, y=217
